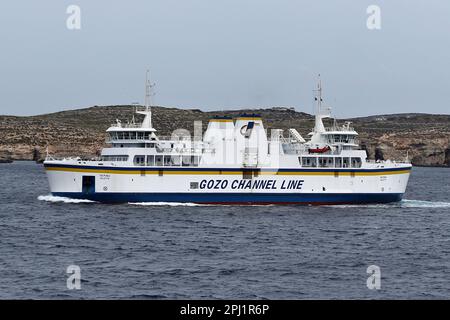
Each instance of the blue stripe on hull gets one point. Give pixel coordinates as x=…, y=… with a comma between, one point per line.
x=239, y=198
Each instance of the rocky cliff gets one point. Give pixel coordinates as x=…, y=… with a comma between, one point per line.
x=81, y=132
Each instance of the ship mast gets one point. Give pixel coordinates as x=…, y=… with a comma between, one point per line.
x=319, y=96
x=147, y=123
x=319, y=127
x=147, y=91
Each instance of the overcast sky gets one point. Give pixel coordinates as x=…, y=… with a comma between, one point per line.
x=226, y=54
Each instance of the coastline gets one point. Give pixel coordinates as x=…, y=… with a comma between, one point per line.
x=81, y=132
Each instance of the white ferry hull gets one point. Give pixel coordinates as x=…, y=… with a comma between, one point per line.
x=228, y=185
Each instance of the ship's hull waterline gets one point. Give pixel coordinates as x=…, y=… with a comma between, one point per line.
x=302, y=186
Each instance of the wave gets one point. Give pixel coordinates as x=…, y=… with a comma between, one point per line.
x=423, y=204
x=405, y=203
x=50, y=198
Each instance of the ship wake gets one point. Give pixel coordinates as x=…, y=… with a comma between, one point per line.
x=423, y=204
x=170, y=204
x=405, y=203
x=54, y=199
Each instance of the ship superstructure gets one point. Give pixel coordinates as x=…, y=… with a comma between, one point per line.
x=235, y=161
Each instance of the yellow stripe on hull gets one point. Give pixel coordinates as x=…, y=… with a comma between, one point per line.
x=218, y=172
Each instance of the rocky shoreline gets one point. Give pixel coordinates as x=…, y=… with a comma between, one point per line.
x=424, y=137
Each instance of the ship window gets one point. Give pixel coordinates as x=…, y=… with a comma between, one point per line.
x=330, y=162
x=194, y=185
x=187, y=161
x=325, y=162
x=345, y=162
x=140, y=135
x=175, y=160
x=146, y=135
x=356, y=162
x=309, y=162
x=150, y=160
x=167, y=161
x=139, y=160
x=338, y=162
x=321, y=162
x=114, y=158
x=159, y=160
x=196, y=161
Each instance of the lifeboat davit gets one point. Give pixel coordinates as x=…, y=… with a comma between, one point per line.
x=319, y=150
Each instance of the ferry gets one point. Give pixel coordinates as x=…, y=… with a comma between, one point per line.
x=234, y=161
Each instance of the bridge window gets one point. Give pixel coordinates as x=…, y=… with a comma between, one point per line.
x=113, y=135
x=338, y=162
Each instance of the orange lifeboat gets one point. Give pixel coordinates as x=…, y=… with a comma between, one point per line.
x=319, y=150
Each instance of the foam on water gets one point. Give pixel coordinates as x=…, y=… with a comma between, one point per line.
x=50, y=198
x=423, y=204
x=405, y=203
x=171, y=204
x=191, y=204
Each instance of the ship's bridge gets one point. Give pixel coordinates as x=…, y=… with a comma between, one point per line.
x=343, y=136
x=131, y=135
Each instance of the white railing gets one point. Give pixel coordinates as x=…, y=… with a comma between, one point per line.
x=341, y=128
x=125, y=125
x=135, y=139
x=389, y=161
